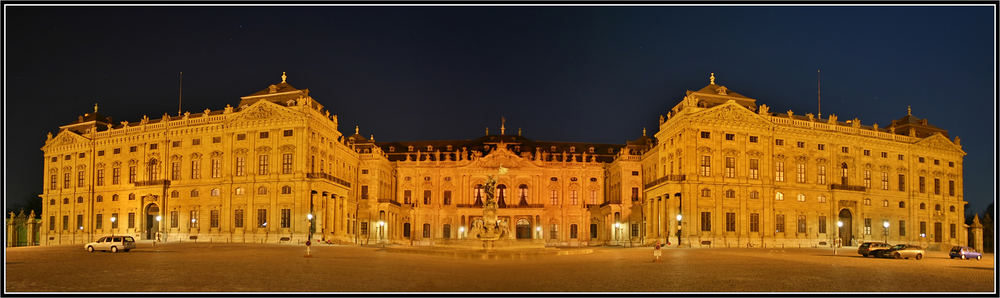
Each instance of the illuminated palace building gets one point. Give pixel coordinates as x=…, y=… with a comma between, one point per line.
x=721, y=171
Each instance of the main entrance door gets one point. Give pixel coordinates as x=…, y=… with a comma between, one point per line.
x=152, y=225
x=523, y=229
x=937, y=232
x=845, y=231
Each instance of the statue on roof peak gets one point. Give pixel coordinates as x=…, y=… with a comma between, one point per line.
x=908, y=111
x=711, y=79
x=283, y=77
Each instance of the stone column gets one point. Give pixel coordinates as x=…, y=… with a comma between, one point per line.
x=977, y=234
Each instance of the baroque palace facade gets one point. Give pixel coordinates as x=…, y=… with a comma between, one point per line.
x=721, y=171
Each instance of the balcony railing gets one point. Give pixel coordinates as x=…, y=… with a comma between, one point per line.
x=329, y=177
x=389, y=201
x=847, y=187
x=665, y=179
x=164, y=182
x=504, y=207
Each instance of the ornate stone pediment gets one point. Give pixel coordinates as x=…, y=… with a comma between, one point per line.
x=821, y=160
x=733, y=114
x=730, y=152
x=64, y=138
x=755, y=153
x=263, y=111
x=704, y=150
x=801, y=158
x=938, y=141
x=500, y=157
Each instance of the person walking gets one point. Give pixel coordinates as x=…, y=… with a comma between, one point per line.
x=657, y=252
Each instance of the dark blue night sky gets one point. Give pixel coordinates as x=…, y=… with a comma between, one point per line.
x=590, y=74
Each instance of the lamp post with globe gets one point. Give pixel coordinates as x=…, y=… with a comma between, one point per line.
x=113, y=219
x=840, y=224
x=679, y=217
x=885, y=229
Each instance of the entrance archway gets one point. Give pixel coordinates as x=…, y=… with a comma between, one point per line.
x=845, y=231
x=523, y=229
x=152, y=225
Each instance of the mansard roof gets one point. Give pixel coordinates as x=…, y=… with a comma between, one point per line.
x=715, y=90
x=921, y=126
x=488, y=143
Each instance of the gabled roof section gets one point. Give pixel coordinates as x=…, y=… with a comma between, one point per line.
x=64, y=137
x=939, y=141
x=921, y=127
x=277, y=93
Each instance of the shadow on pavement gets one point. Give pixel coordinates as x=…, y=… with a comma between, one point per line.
x=967, y=267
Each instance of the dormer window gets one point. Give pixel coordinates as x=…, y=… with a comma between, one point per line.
x=590, y=150
x=409, y=148
x=449, y=147
x=572, y=149
x=392, y=148
x=552, y=149
x=430, y=148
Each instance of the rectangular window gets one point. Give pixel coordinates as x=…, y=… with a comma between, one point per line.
x=196, y=169
x=53, y=181
x=116, y=174
x=287, y=132
x=779, y=142
x=261, y=218
x=923, y=229
x=286, y=218
x=117, y=150
x=951, y=230
x=175, y=171
x=241, y=165
x=899, y=156
x=175, y=144
x=262, y=164
x=196, y=142
x=635, y=230
x=754, y=166
x=216, y=140
x=114, y=223
x=131, y=220
x=885, y=181
x=554, y=199
x=240, y=137
x=800, y=224
x=100, y=177
x=800, y=173
x=730, y=167
x=706, y=221
x=821, y=146
x=706, y=135
x=902, y=228
x=730, y=222
x=573, y=200
x=635, y=194
x=885, y=154
x=79, y=221
x=868, y=178
x=216, y=168
x=730, y=137
x=553, y=231
x=800, y=144
x=238, y=218
x=65, y=223
x=173, y=219
x=920, y=184
x=263, y=135
x=820, y=174
x=447, y=197
x=79, y=179
x=52, y=223
x=213, y=219
x=868, y=226
x=427, y=231
x=920, y=159
x=706, y=165
x=193, y=223
x=753, y=139
x=937, y=186
x=822, y=224
x=286, y=163
x=131, y=149
x=779, y=171
x=364, y=229
x=951, y=188
x=99, y=221
x=868, y=152
x=100, y=153
x=364, y=192
x=779, y=223
x=66, y=179
x=427, y=197
x=902, y=182
x=843, y=150
x=407, y=196
x=153, y=146
x=754, y=222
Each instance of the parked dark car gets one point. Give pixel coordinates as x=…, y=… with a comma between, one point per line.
x=887, y=253
x=871, y=248
x=965, y=253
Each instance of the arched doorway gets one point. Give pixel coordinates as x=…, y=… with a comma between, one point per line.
x=152, y=225
x=406, y=230
x=845, y=231
x=523, y=229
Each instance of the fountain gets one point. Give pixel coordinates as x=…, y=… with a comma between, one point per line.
x=489, y=228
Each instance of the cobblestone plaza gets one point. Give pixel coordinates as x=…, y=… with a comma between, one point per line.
x=207, y=267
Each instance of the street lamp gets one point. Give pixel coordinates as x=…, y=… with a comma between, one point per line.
x=840, y=224
x=885, y=229
x=538, y=230
x=113, y=219
x=309, y=217
x=461, y=230
x=679, y=217
x=158, y=218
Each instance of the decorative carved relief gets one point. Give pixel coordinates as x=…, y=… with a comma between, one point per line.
x=730, y=152
x=287, y=148
x=263, y=149
x=704, y=150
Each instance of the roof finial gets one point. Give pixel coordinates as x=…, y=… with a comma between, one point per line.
x=502, y=127
x=644, y=131
x=95, y=107
x=908, y=111
x=283, y=77
x=356, y=128
x=711, y=79
x=487, y=130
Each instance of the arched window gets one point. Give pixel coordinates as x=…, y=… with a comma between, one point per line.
x=52, y=202
x=706, y=192
x=175, y=194
x=239, y=191
x=951, y=209
x=114, y=198
x=937, y=207
x=286, y=190
x=194, y=193
x=923, y=206
x=902, y=205
x=843, y=173
x=262, y=190
x=131, y=197
x=885, y=203
x=216, y=192
x=502, y=194
x=778, y=196
x=822, y=199
x=523, y=194
x=100, y=199
x=65, y=201
x=754, y=194
x=801, y=198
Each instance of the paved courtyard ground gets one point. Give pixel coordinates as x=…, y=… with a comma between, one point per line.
x=203, y=267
